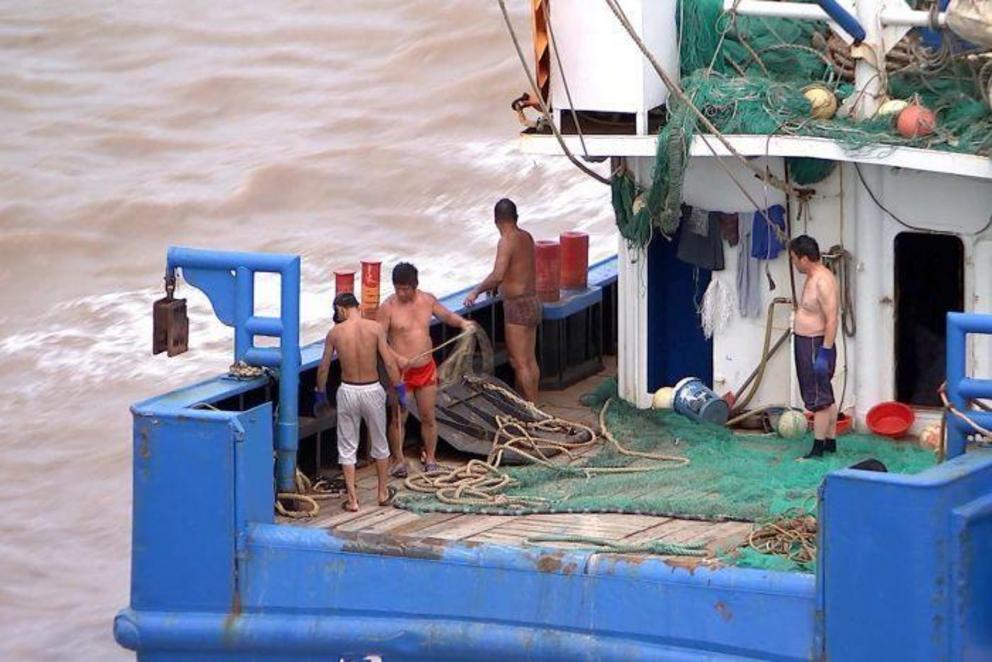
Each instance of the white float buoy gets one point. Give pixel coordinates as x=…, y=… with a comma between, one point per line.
x=792, y=424
x=663, y=398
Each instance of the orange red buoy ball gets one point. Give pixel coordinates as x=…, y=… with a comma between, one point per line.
x=915, y=121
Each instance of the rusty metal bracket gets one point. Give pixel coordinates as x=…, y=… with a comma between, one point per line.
x=170, y=322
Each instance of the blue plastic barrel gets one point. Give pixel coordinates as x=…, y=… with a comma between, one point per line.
x=695, y=400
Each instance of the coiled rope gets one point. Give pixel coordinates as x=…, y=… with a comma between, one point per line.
x=482, y=482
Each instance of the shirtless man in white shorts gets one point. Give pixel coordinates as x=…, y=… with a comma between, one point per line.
x=358, y=343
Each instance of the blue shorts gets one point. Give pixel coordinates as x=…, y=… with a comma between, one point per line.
x=817, y=391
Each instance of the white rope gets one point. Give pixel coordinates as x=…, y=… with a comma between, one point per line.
x=717, y=308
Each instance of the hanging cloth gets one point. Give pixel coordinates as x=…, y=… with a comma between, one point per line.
x=717, y=308
x=748, y=271
x=768, y=232
x=700, y=242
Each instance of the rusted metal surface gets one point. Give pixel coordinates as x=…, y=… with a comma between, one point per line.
x=170, y=326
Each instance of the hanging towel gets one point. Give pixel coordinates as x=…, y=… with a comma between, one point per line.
x=765, y=241
x=700, y=243
x=717, y=308
x=748, y=271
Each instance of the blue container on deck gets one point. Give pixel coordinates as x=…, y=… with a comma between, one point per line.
x=695, y=400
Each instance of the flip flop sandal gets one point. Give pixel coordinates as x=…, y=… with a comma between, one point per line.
x=431, y=466
x=400, y=471
x=346, y=506
x=391, y=491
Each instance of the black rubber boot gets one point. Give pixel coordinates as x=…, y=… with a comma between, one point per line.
x=816, y=451
x=830, y=446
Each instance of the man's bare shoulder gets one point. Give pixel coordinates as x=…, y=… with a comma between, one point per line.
x=390, y=302
x=426, y=297
x=370, y=325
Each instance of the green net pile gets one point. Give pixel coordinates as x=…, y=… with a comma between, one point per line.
x=730, y=476
x=747, y=75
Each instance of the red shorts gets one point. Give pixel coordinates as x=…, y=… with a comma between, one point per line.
x=420, y=376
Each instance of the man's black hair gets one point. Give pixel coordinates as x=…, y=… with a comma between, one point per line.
x=805, y=246
x=405, y=273
x=346, y=300
x=505, y=210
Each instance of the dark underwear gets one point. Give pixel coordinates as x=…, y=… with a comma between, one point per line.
x=816, y=390
x=523, y=310
x=374, y=381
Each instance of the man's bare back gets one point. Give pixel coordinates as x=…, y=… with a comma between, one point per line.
x=519, y=277
x=818, y=297
x=357, y=345
x=514, y=274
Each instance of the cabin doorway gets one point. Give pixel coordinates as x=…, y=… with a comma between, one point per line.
x=929, y=283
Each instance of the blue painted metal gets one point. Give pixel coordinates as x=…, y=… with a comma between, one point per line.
x=893, y=568
x=900, y=574
x=228, y=280
x=960, y=387
x=844, y=19
x=572, y=302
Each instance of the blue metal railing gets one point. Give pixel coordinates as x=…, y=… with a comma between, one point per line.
x=960, y=387
x=228, y=280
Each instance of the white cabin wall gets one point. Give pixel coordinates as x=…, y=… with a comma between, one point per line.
x=737, y=348
x=928, y=201
x=841, y=212
x=632, y=322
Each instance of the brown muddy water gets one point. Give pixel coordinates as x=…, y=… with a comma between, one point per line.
x=337, y=130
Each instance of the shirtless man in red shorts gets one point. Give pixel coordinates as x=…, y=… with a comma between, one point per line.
x=513, y=273
x=406, y=316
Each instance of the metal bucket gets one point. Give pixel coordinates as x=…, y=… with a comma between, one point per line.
x=695, y=400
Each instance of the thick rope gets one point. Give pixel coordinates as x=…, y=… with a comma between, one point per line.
x=308, y=493
x=954, y=411
x=793, y=537
x=602, y=546
x=482, y=482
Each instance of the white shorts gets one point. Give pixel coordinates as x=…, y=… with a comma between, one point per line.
x=357, y=403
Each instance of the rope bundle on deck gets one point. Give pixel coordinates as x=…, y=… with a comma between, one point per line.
x=483, y=482
x=793, y=537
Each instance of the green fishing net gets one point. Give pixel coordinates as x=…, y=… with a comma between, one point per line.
x=747, y=75
x=730, y=476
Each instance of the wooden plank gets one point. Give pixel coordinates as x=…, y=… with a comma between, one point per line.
x=371, y=519
x=463, y=526
x=730, y=536
x=412, y=528
x=387, y=524
x=331, y=514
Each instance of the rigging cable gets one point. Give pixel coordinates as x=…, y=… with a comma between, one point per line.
x=540, y=98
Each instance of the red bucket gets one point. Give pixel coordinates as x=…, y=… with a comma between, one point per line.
x=547, y=263
x=344, y=281
x=890, y=419
x=574, y=260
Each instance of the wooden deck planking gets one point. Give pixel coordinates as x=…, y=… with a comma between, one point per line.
x=515, y=530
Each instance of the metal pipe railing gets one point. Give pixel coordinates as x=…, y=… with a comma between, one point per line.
x=228, y=280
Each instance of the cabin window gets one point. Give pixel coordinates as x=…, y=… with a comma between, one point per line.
x=929, y=283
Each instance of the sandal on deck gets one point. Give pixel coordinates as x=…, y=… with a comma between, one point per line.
x=347, y=506
x=391, y=492
x=430, y=467
x=399, y=471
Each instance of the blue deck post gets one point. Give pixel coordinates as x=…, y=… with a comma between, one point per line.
x=961, y=388
x=228, y=280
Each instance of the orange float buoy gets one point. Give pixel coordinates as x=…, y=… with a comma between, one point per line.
x=915, y=121
x=344, y=281
x=574, y=260
x=547, y=264
x=370, y=288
